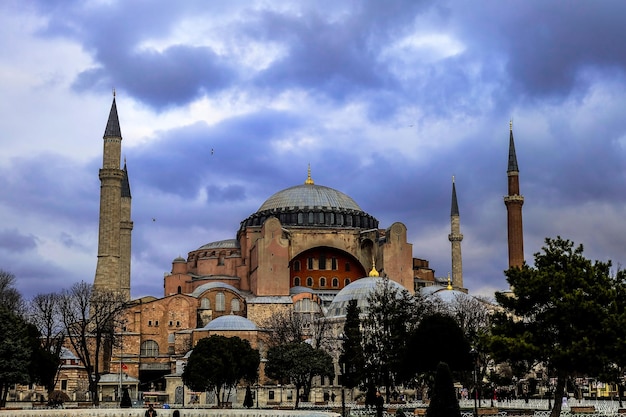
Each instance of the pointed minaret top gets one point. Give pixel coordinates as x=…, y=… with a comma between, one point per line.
x=125, y=183
x=113, y=124
x=512, y=157
x=454, y=210
x=309, y=180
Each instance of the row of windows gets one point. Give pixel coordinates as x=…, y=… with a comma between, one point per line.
x=321, y=264
x=155, y=323
x=309, y=282
x=220, y=303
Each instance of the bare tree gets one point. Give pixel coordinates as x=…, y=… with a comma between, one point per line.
x=289, y=326
x=44, y=311
x=90, y=317
x=10, y=298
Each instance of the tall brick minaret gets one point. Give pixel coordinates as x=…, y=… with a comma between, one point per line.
x=514, y=201
x=455, y=237
x=113, y=267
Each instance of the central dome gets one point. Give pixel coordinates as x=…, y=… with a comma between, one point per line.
x=309, y=195
x=310, y=205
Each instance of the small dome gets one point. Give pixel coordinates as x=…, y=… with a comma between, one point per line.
x=301, y=290
x=180, y=259
x=359, y=290
x=449, y=296
x=230, y=323
x=222, y=244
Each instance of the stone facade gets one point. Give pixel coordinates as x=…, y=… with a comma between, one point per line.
x=299, y=249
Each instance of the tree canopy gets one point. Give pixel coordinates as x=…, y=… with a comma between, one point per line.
x=564, y=313
x=438, y=338
x=392, y=315
x=217, y=363
x=298, y=363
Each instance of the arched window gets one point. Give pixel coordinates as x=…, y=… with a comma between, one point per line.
x=149, y=348
x=306, y=305
x=205, y=304
x=335, y=282
x=309, y=281
x=296, y=265
x=220, y=302
x=296, y=282
x=322, y=282
x=180, y=290
x=346, y=282
x=235, y=305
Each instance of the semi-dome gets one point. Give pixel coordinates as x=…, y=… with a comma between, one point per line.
x=231, y=323
x=358, y=290
x=311, y=205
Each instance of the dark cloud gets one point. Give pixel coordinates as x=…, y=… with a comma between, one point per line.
x=11, y=240
x=454, y=71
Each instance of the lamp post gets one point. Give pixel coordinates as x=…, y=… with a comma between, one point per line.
x=342, y=369
x=474, y=355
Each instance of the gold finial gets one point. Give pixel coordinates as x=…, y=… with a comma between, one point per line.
x=113, y=92
x=511, y=124
x=453, y=179
x=449, y=287
x=373, y=272
x=309, y=180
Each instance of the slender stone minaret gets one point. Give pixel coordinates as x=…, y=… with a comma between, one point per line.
x=455, y=237
x=113, y=267
x=514, y=201
x=126, y=228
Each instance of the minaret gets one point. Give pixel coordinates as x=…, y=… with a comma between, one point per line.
x=455, y=237
x=126, y=228
x=514, y=201
x=113, y=184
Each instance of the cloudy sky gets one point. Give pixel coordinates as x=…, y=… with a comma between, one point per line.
x=386, y=100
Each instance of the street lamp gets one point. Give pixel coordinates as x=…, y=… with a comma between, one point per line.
x=342, y=370
x=474, y=355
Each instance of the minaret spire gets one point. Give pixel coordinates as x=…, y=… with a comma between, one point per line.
x=455, y=237
x=514, y=201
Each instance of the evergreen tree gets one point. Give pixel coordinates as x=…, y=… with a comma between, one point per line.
x=351, y=359
x=443, y=402
x=438, y=338
x=565, y=314
x=15, y=352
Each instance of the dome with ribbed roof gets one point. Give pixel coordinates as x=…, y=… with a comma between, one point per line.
x=358, y=290
x=311, y=205
x=230, y=323
x=309, y=195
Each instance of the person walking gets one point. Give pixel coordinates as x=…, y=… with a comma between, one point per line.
x=151, y=412
x=379, y=403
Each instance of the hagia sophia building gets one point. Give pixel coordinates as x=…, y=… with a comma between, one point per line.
x=304, y=247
